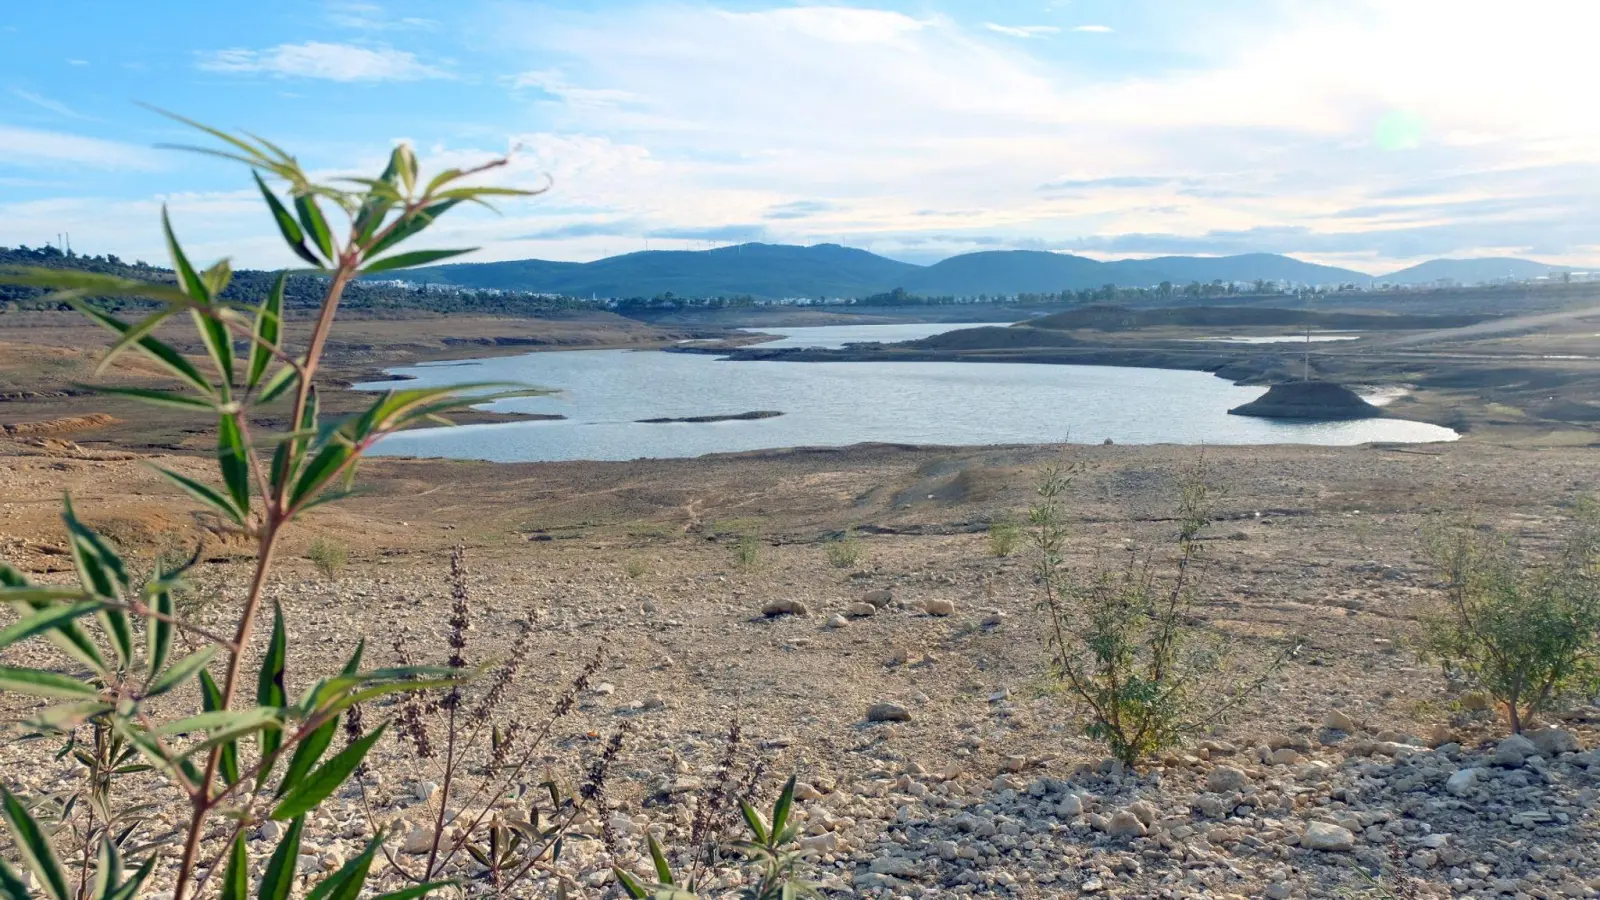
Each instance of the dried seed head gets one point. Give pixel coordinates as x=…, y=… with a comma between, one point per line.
x=595, y=784
x=503, y=678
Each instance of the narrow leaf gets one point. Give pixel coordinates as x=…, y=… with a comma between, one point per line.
x=188, y=278
x=39, y=683
x=158, y=398
x=413, y=258
x=236, y=877
x=270, y=689
x=211, y=700
x=107, y=869
x=780, y=810
x=206, y=494
x=11, y=886
x=287, y=226
x=169, y=358
x=269, y=319
x=46, y=619
x=420, y=890
x=306, y=754
x=34, y=847
x=346, y=883
x=316, y=787
x=181, y=671
x=663, y=871
x=279, y=876
x=315, y=225
x=234, y=460
x=158, y=631
x=130, y=889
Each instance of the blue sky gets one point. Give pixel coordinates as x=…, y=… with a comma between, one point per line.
x=1367, y=133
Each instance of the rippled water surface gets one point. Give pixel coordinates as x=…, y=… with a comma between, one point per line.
x=604, y=392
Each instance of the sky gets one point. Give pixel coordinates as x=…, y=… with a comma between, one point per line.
x=1366, y=133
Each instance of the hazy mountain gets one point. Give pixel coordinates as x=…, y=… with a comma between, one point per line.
x=1472, y=271
x=761, y=270
x=829, y=270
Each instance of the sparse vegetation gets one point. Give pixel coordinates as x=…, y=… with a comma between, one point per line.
x=846, y=550
x=1005, y=536
x=1522, y=629
x=329, y=557
x=636, y=567
x=747, y=550
x=1122, y=639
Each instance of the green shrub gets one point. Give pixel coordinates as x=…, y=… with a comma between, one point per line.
x=252, y=749
x=1121, y=638
x=846, y=550
x=1524, y=630
x=329, y=557
x=636, y=568
x=1005, y=536
x=747, y=550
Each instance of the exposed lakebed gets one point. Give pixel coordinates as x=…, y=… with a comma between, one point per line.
x=605, y=394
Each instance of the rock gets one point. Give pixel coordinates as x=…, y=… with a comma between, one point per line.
x=1092, y=884
x=879, y=599
x=1512, y=751
x=1439, y=735
x=804, y=790
x=827, y=842
x=1337, y=720
x=419, y=841
x=1290, y=741
x=1552, y=741
x=898, y=866
x=1326, y=836
x=425, y=791
x=993, y=620
x=1225, y=780
x=1071, y=807
x=939, y=607
x=784, y=608
x=1311, y=400
x=1124, y=823
x=1284, y=756
x=888, y=712
x=605, y=689
x=269, y=831
x=1463, y=782
x=836, y=621
x=1145, y=811
x=860, y=610
x=948, y=850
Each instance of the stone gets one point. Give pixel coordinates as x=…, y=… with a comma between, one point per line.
x=804, y=790
x=879, y=598
x=1552, y=741
x=1439, y=735
x=948, y=851
x=939, y=607
x=898, y=866
x=888, y=712
x=1284, y=756
x=860, y=610
x=1124, y=823
x=1462, y=782
x=1225, y=780
x=1070, y=807
x=269, y=831
x=1337, y=720
x=836, y=621
x=993, y=620
x=1328, y=837
x=1146, y=812
x=418, y=841
x=784, y=608
x=1513, y=751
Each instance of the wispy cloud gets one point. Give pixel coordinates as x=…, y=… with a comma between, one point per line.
x=54, y=149
x=555, y=85
x=371, y=17
x=55, y=106
x=1093, y=29
x=318, y=59
x=1022, y=31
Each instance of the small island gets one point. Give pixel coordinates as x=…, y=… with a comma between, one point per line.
x=1309, y=400
x=727, y=417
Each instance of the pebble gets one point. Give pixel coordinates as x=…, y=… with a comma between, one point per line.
x=878, y=599
x=888, y=712
x=785, y=608
x=937, y=607
x=1326, y=836
x=860, y=610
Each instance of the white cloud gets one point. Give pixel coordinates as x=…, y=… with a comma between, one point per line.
x=319, y=59
x=556, y=85
x=1093, y=29
x=35, y=148
x=55, y=106
x=371, y=17
x=1023, y=31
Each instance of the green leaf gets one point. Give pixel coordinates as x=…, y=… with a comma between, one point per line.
x=353, y=664
x=236, y=877
x=315, y=225
x=287, y=226
x=158, y=397
x=320, y=471
x=217, y=277
x=663, y=871
x=234, y=460
x=67, y=716
x=206, y=494
x=219, y=345
x=410, y=226
x=630, y=884
x=81, y=284
x=188, y=278
x=46, y=619
x=181, y=671
x=270, y=690
x=107, y=869
x=132, y=336
x=211, y=701
x=753, y=819
x=780, y=810
x=169, y=358
x=279, y=876
x=413, y=258
x=39, y=683
x=158, y=631
x=34, y=847
x=316, y=787
x=130, y=888
x=268, y=328
x=420, y=890
x=11, y=886
x=346, y=883
x=306, y=754
x=280, y=381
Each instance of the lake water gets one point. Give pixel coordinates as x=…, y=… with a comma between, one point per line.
x=604, y=392
x=1280, y=338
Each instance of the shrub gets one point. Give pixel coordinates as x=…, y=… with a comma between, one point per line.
x=235, y=756
x=1004, y=537
x=1121, y=639
x=636, y=568
x=1525, y=631
x=845, y=551
x=329, y=557
x=747, y=550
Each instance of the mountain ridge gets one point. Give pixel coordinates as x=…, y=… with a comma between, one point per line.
x=832, y=270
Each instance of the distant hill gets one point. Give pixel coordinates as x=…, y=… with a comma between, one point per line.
x=830, y=270
x=1471, y=271
x=760, y=270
